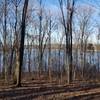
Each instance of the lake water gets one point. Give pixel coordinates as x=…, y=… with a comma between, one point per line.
x=90, y=58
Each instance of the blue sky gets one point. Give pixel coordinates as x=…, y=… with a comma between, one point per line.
x=95, y=4
x=53, y=5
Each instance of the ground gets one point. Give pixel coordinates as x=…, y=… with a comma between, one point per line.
x=44, y=90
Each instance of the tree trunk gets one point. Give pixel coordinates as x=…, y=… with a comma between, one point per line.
x=49, y=59
x=5, y=46
x=21, y=51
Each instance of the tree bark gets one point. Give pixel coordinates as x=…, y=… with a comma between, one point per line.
x=21, y=51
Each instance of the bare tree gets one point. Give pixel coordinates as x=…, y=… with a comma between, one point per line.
x=42, y=31
x=15, y=40
x=5, y=38
x=22, y=42
x=51, y=28
x=68, y=33
x=84, y=15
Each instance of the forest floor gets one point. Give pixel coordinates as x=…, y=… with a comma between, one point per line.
x=43, y=90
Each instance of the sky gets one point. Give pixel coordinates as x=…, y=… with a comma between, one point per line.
x=95, y=4
x=54, y=6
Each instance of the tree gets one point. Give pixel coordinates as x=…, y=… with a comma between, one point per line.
x=84, y=27
x=69, y=4
x=42, y=28
x=15, y=39
x=49, y=58
x=21, y=51
x=5, y=38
